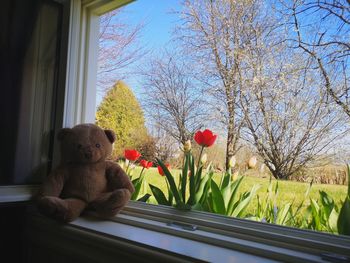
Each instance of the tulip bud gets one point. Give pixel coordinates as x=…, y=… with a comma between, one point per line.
x=204, y=158
x=232, y=162
x=235, y=176
x=262, y=168
x=252, y=162
x=187, y=146
x=123, y=163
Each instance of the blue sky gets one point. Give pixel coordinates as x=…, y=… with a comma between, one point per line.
x=159, y=23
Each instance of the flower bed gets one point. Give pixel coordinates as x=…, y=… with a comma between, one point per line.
x=196, y=189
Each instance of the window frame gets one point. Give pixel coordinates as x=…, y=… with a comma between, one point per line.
x=260, y=237
x=221, y=233
x=251, y=237
x=80, y=97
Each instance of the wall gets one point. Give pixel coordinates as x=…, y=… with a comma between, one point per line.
x=12, y=222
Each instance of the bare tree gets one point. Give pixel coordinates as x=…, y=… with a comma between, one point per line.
x=216, y=34
x=321, y=29
x=171, y=98
x=287, y=116
x=118, y=48
x=166, y=147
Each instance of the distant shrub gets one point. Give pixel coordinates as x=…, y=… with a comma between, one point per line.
x=121, y=112
x=327, y=174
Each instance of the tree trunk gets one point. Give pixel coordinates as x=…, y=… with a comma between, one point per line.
x=230, y=143
x=280, y=175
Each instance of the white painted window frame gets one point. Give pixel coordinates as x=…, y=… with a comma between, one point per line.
x=80, y=96
x=232, y=238
x=258, y=239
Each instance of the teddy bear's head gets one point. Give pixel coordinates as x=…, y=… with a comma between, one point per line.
x=85, y=143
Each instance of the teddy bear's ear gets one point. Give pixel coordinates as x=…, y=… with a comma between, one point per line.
x=110, y=135
x=62, y=133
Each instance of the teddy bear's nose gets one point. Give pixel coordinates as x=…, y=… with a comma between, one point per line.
x=88, y=155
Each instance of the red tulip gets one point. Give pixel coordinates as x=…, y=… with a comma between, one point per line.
x=132, y=155
x=205, y=138
x=160, y=170
x=146, y=164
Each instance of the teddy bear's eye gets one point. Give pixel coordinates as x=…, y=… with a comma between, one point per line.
x=79, y=146
x=98, y=145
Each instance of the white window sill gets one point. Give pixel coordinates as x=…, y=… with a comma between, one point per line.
x=16, y=193
x=167, y=243
x=215, y=238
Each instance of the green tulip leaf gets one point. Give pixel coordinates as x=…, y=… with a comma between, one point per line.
x=203, y=189
x=234, y=188
x=327, y=202
x=218, y=201
x=135, y=181
x=315, y=210
x=170, y=194
x=137, y=187
x=344, y=218
x=198, y=177
x=246, y=198
x=332, y=221
x=225, y=179
x=144, y=198
x=184, y=177
x=198, y=207
x=282, y=216
x=226, y=194
x=348, y=180
x=191, y=200
x=171, y=182
x=159, y=195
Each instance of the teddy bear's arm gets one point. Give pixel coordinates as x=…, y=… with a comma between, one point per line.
x=117, y=178
x=53, y=184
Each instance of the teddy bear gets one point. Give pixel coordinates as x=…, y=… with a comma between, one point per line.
x=84, y=180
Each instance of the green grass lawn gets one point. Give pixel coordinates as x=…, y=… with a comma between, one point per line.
x=289, y=191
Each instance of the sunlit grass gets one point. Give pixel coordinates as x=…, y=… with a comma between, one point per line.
x=289, y=191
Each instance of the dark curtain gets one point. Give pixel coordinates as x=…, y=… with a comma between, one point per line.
x=17, y=23
x=17, y=20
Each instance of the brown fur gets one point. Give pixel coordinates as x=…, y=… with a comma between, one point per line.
x=84, y=179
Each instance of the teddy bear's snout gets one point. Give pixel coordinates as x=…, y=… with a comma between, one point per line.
x=88, y=152
x=88, y=155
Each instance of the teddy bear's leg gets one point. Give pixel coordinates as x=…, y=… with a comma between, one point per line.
x=65, y=210
x=52, y=206
x=109, y=204
x=75, y=208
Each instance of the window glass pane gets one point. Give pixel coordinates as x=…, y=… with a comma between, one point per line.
x=246, y=104
x=32, y=51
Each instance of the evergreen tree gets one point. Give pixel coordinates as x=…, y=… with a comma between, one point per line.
x=121, y=112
